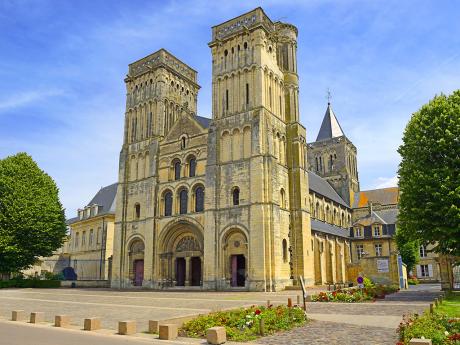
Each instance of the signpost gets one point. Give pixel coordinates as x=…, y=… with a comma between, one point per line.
x=304, y=293
x=360, y=281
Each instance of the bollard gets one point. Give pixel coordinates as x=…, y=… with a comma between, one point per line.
x=216, y=335
x=298, y=299
x=431, y=308
x=37, y=317
x=268, y=303
x=261, y=327
x=92, y=324
x=415, y=341
x=17, y=315
x=436, y=302
x=62, y=321
x=289, y=303
x=127, y=327
x=154, y=326
x=168, y=331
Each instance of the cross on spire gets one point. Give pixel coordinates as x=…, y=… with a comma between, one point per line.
x=329, y=96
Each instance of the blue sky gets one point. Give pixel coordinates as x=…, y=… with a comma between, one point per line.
x=62, y=65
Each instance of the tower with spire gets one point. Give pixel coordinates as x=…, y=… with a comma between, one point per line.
x=333, y=157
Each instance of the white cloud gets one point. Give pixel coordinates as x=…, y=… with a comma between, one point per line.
x=26, y=97
x=385, y=182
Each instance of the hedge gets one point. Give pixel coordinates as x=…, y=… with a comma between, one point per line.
x=30, y=283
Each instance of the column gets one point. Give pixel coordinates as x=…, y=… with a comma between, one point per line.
x=188, y=270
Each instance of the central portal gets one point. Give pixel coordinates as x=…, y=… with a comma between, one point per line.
x=182, y=257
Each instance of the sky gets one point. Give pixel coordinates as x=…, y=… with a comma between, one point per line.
x=62, y=65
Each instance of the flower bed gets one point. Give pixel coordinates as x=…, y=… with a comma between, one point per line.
x=440, y=328
x=353, y=295
x=244, y=324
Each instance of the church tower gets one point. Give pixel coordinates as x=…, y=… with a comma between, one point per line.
x=256, y=175
x=333, y=157
x=159, y=88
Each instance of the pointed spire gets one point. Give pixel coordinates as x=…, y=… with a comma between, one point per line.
x=330, y=127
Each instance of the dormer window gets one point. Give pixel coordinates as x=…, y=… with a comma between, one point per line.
x=358, y=231
x=376, y=231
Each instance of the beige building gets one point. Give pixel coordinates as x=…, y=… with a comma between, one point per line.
x=90, y=245
x=427, y=270
x=238, y=201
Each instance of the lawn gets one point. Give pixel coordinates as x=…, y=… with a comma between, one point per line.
x=450, y=305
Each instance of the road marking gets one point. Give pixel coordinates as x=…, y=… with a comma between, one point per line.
x=102, y=304
x=271, y=298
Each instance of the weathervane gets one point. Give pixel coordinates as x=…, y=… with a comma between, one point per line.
x=329, y=96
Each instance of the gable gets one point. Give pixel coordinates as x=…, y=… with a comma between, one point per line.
x=186, y=124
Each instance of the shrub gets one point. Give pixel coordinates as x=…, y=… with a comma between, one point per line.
x=243, y=324
x=438, y=327
x=368, y=282
x=413, y=281
x=30, y=283
x=354, y=294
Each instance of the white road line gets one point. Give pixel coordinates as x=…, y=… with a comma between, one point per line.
x=102, y=304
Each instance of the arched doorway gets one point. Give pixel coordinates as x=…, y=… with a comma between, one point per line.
x=136, y=260
x=182, y=257
x=235, y=253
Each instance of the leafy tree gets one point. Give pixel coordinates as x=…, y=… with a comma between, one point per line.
x=409, y=250
x=429, y=175
x=32, y=220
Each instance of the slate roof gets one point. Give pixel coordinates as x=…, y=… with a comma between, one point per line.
x=105, y=198
x=383, y=196
x=380, y=216
x=330, y=127
x=327, y=228
x=389, y=216
x=204, y=121
x=321, y=186
x=370, y=219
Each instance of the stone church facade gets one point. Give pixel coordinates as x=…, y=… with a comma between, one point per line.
x=236, y=201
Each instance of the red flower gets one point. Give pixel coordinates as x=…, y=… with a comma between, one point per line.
x=257, y=312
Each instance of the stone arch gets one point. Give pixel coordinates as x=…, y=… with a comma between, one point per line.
x=136, y=247
x=235, y=259
x=181, y=253
x=246, y=142
x=226, y=151
x=236, y=144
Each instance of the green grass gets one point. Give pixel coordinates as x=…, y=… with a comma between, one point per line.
x=450, y=305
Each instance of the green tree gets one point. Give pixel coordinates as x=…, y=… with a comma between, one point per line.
x=429, y=175
x=409, y=250
x=32, y=220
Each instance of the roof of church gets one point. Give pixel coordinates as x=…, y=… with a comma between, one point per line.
x=383, y=196
x=321, y=186
x=106, y=198
x=204, y=121
x=329, y=228
x=330, y=127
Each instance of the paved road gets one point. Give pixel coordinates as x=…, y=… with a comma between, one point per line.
x=27, y=334
x=357, y=323
x=113, y=306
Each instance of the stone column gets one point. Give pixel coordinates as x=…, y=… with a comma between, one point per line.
x=188, y=270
